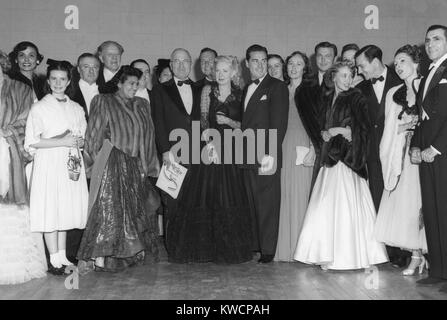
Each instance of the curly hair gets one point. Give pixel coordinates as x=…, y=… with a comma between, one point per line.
x=306, y=69
x=413, y=51
x=233, y=62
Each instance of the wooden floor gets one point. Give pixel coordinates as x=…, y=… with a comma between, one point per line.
x=249, y=281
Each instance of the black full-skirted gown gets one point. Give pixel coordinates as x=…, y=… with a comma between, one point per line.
x=212, y=223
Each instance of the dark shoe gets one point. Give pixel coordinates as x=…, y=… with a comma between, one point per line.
x=56, y=271
x=443, y=289
x=266, y=258
x=430, y=280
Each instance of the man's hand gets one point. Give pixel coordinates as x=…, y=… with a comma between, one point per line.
x=428, y=155
x=168, y=158
x=267, y=163
x=415, y=156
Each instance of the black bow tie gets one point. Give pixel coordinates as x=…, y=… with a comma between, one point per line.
x=374, y=80
x=187, y=81
x=255, y=81
x=62, y=100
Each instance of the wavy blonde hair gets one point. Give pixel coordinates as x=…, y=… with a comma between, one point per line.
x=233, y=62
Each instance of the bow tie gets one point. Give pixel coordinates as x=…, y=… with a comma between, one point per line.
x=255, y=81
x=62, y=100
x=187, y=81
x=374, y=80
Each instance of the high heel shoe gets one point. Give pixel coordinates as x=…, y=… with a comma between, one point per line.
x=420, y=266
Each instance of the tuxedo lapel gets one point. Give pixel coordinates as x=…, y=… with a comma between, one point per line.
x=420, y=93
x=256, y=96
x=174, y=94
x=386, y=87
x=436, y=78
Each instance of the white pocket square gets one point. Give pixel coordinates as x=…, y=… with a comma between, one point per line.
x=264, y=97
x=443, y=81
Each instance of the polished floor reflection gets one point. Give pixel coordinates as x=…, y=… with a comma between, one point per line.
x=250, y=280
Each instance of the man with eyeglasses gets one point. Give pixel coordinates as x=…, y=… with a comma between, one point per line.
x=176, y=105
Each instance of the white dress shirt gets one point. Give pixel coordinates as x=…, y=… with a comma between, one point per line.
x=379, y=86
x=88, y=92
x=320, y=77
x=250, y=90
x=108, y=75
x=142, y=93
x=186, y=94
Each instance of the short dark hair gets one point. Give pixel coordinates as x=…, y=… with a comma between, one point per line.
x=437, y=26
x=206, y=49
x=306, y=70
x=284, y=70
x=371, y=52
x=349, y=46
x=128, y=71
x=21, y=46
x=86, y=55
x=58, y=66
x=107, y=43
x=255, y=48
x=326, y=44
x=132, y=64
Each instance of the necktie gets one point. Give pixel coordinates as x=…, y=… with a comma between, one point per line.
x=374, y=80
x=255, y=81
x=187, y=81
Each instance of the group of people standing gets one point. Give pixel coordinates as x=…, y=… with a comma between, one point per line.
x=350, y=173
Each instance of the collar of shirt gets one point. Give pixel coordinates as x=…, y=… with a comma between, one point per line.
x=142, y=93
x=108, y=75
x=176, y=80
x=383, y=74
x=260, y=80
x=85, y=85
x=438, y=63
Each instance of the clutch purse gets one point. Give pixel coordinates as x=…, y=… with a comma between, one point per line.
x=74, y=165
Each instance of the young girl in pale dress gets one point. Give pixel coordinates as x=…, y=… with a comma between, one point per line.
x=55, y=129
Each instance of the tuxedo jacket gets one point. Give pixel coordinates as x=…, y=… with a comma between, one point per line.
x=268, y=108
x=433, y=131
x=170, y=113
x=77, y=96
x=110, y=86
x=376, y=110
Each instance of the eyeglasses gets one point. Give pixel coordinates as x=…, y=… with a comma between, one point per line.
x=177, y=61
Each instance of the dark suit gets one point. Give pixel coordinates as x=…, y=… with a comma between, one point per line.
x=110, y=86
x=203, y=82
x=170, y=114
x=268, y=108
x=376, y=110
x=433, y=132
x=77, y=96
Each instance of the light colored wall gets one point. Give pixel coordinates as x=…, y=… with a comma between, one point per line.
x=153, y=28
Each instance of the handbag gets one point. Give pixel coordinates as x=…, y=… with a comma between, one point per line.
x=74, y=164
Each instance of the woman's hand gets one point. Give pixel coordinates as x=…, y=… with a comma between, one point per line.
x=326, y=135
x=69, y=140
x=222, y=119
x=309, y=159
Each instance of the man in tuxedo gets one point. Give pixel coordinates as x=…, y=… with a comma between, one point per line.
x=207, y=56
x=109, y=52
x=176, y=104
x=266, y=106
x=378, y=80
x=429, y=148
x=84, y=86
x=83, y=89
x=145, y=82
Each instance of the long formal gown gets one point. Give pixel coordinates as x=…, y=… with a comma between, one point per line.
x=399, y=221
x=120, y=154
x=22, y=255
x=213, y=220
x=295, y=185
x=338, y=227
x=57, y=203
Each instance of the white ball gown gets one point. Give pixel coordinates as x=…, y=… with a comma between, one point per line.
x=338, y=228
